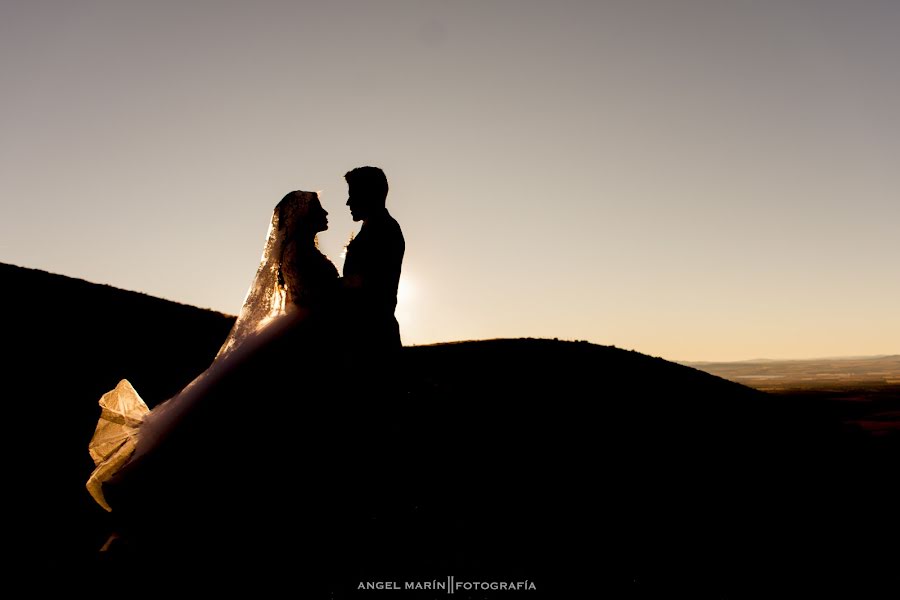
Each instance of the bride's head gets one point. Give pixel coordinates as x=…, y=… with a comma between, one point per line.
x=300, y=214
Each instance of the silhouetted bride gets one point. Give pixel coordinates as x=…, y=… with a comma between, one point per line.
x=222, y=456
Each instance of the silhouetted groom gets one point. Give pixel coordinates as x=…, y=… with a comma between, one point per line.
x=372, y=267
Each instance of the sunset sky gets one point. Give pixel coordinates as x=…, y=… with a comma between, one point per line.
x=691, y=179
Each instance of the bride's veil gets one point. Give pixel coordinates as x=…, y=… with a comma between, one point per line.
x=123, y=412
x=265, y=299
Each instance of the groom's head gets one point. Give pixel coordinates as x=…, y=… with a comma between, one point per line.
x=367, y=191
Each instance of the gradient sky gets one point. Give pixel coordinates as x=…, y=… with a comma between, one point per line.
x=697, y=180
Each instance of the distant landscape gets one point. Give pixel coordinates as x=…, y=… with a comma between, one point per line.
x=863, y=391
x=500, y=458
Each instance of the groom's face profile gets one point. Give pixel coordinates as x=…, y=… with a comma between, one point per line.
x=360, y=203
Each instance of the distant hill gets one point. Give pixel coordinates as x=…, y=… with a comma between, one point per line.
x=679, y=479
x=822, y=373
x=862, y=391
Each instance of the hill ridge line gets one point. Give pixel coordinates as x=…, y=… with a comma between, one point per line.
x=80, y=280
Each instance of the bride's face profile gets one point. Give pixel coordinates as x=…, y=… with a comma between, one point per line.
x=302, y=213
x=316, y=217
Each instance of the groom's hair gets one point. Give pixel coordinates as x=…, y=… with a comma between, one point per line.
x=370, y=180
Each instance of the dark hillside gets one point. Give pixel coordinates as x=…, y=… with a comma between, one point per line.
x=675, y=478
x=68, y=342
x=573, y=465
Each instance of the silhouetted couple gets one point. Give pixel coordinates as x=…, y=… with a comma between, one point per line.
x=250, y=451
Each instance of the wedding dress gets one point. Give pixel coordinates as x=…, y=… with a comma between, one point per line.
x=293, y=281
